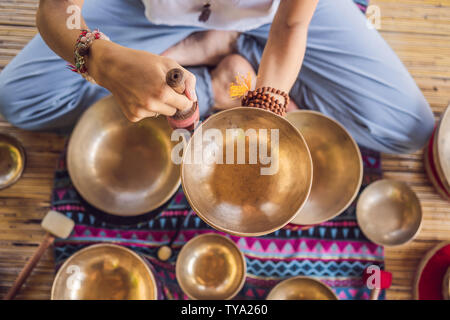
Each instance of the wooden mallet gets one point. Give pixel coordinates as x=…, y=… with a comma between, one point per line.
x=57, y=225
x=187, y=119
x=385, y=281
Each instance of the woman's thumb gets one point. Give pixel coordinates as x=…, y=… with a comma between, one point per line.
x=190, y=87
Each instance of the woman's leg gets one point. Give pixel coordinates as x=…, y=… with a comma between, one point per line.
x=37, y=92
x=352, y=75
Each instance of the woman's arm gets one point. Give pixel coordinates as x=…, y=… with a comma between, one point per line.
x=137, y=79
x=283, y=55
x=51, y=20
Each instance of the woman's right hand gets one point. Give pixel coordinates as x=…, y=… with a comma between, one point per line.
x=137, y=79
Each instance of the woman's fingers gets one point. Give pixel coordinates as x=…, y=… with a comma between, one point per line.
x=182, y=101
x=161, y=108
x=154, y=108
x=176, y=100
x=138, y=114
x=189, y=83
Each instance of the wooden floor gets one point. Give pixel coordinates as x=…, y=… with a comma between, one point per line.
x=418, y=30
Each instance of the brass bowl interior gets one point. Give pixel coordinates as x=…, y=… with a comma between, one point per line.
x=210, y=266
x=120, y=167
x=104, y=272
x=12, y=160
x=337, y=164
x=389, y=213
x=301, y=288
x=442, y=154
x=239, y=198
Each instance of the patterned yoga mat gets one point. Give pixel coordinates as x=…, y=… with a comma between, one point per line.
x=335, y=252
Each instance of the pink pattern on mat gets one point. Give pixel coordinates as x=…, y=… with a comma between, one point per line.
x=279, y=247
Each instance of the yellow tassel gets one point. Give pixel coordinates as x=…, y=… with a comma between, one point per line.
x=241, y=86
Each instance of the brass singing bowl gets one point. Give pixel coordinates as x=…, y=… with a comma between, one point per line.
x=389, y=213
x=301, y=288
x=104, y=272
x=441, y=149
x=243, y=199
x=12, y=160
x=432, y=176
x=120, y=167
x=210, y=267
x=337, y=163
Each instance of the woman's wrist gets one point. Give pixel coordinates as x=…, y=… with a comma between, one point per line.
x=100, y=59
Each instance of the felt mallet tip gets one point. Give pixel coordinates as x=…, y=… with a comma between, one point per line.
x=57, y=224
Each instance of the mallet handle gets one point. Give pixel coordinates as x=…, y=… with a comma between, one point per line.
x=26, y=271
x=374, y=294
x=175, y=78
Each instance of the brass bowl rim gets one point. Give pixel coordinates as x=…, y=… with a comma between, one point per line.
x=437, y=152
x=83, y=193
x=423, y=262
x=305, y=278
x=212, y=235
x=434, y=179
x=246, y=234
x=108, y=245
x=16, y=143
x=419, y=227
x=361, y=167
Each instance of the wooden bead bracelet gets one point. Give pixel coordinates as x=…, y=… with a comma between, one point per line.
x=262, y=98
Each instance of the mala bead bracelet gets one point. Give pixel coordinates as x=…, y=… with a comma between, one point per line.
x=82, y=46
x=262, y=98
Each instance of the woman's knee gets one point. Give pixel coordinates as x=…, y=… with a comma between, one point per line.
x=9, y=96
x=17, y=107
x=422, y=129
x=407, y=128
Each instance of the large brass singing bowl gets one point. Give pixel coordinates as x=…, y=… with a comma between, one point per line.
x=301, y=288
x=442, y=149
x=104, y=272
x=389, y=213
x=210, y=267
x=120, y=167
x=337, y=162
x=244, y=199
x=12, y=160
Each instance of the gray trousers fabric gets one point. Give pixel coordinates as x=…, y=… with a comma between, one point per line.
x=349, y=73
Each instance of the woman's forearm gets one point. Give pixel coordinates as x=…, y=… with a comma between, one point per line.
x=282, y=60
x=51, y=21
x=285, y=49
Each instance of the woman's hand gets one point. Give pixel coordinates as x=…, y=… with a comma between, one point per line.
x=137, y=79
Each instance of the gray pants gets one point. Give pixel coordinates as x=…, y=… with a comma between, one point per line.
x=349, y=73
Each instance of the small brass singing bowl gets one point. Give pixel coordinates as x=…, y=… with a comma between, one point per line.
x=210, y=267
x=246, y=195
x=301, y=288
x=12, y=160
x=389, y=213
x=120, y=167
x=104, y=272
x=337, y=162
